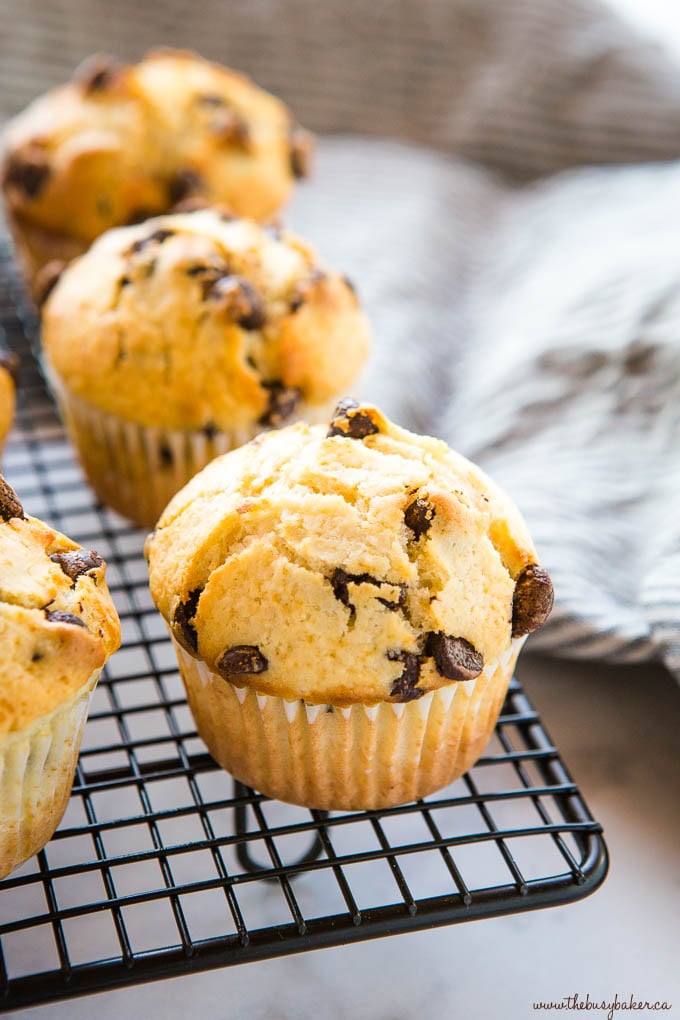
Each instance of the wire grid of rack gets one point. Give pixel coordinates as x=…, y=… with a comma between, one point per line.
x=163, y=865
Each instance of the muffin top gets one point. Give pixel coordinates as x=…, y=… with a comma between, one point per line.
x=8, y=373
x=57, y=621
x=354, y=563
x=120, y=143
x=202, y=321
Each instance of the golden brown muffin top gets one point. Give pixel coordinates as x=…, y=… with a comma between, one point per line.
x=201, y=321
x=120, y=143
x=58, y=623
x=359, y=563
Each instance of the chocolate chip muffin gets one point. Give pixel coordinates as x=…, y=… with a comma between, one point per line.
x=8, y=376
x=347, y=604
x=58, y=626
x=177, y=339
x=121, y=143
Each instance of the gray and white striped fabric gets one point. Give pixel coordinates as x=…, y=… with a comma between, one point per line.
x=526, y=304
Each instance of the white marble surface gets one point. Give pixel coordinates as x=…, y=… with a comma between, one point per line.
x=617, y=729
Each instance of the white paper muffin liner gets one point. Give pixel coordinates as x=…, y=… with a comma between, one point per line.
x=137, y=469
x=354, y=758
x=36, y=775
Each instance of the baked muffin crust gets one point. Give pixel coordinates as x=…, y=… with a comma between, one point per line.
x=57, y=621
x=202, y=321
x=355, y=563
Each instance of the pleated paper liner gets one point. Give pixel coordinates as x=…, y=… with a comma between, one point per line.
x=355, y=758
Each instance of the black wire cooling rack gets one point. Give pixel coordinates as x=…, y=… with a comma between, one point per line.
x=165, y=866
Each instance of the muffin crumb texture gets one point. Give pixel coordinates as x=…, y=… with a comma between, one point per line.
x=344, y=564
x=57, y=621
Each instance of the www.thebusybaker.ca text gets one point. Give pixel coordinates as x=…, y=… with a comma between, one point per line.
x=576, y=1001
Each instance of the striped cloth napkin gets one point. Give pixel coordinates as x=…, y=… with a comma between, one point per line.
x=502, y=188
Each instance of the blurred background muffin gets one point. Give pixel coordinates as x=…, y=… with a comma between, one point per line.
x=8, y=375
x=121, y=143
x=177, y=339
x=58, y=626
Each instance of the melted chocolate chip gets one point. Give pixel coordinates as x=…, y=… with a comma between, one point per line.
x=59, y=616
x=10, y=507
x=96, y=73
x=351, y=422
x=27, y=171
x=183, y=185
x=282, y=403
x=242, y=659
x=533, y=600
x=454, y=657
x=78, y=562
x=404, y=687
x=242, y=303
x=301, y=148
x=401, y=601
x=340, y=580
x=10, y=363
x=418, y=517
x=157, y=237
x=185, y=632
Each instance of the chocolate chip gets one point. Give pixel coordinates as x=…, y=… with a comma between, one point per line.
x=37, y=656
x=404, y=687
x=351, y=422
x=532, y=601
x=340, y=580
x=59, y=616
x=27, y=171
x=242, y=303
x=166, y=455
x=231, y=129
x=401, y=601
x=282, y=403
x=78, y=562
x=301, y=148
x=10, y=507
x=46, y=280
x=10, y=363
x=454, y=657
x=157, y=237
x=242, y=659
x=96, y=73
x=185, y=632
x=210, y=99
x=210, y=430
x=183, y=185
x=418, y=517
